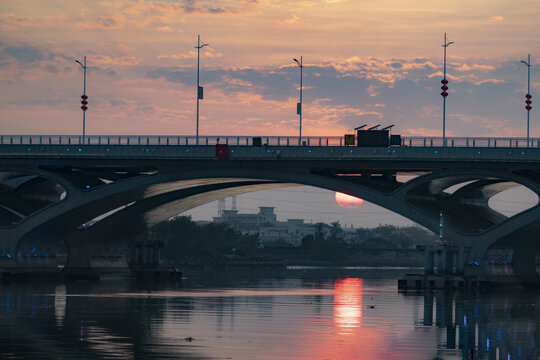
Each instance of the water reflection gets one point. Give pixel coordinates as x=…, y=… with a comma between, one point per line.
x=297, y=315
x=348, y=302
x=496, y=325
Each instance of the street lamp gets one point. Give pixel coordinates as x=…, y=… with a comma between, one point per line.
x=299, y=105
x=528, y=97
x=84, y=98
x=444, y=89
x=199, y=88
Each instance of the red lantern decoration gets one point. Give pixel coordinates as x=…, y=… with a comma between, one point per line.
x=444, y=94
x=84, y=102
x=444, y=81
x=528, y=107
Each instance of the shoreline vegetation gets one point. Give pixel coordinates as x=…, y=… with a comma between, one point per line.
x=190, y=245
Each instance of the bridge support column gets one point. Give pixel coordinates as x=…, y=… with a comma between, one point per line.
x=460, y=260
x=78, y=259
x=441, y=261
x=449, y=262
x=428, y=260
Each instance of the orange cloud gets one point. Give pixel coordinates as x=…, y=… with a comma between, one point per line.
x=124, y=60
x=10, y=22
x=103, y=23
x=496, y=18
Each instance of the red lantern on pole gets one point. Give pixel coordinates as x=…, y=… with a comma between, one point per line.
x=84, y=102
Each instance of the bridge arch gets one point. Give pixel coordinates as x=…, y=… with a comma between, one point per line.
x=159, y=194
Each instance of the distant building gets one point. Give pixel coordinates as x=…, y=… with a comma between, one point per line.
x=265, y=224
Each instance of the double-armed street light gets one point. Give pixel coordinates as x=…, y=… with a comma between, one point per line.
x=200, y=94
x=444, y=88
x=528, y=97
x=84, y=98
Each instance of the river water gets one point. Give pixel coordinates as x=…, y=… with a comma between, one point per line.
x=298, y=313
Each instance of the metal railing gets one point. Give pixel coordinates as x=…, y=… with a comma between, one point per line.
x=483, y=142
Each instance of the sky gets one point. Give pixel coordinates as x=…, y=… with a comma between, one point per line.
x=365, y=62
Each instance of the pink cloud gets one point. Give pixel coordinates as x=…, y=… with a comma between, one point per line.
x=10, y=22
x=104, y=23
x=124, y=60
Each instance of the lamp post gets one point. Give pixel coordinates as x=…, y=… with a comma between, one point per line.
x=528, y=97
x=199, y=88
x=84, y=98
x=299, y=105
x=444, y=89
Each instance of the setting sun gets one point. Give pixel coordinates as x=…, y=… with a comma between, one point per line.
x=348, y=201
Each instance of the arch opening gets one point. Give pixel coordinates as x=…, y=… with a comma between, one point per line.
x=513, y=201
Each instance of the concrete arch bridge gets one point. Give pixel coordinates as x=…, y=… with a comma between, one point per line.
x=98, y=199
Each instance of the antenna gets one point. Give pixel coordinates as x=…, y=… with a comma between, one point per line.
x=374, y=127
x=360, y=127
x=388, y=127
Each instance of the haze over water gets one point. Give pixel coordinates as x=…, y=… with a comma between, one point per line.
x=297, y=313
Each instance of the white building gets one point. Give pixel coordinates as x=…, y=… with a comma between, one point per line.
x=266, y=225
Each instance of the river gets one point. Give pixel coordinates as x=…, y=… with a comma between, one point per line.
x=298, y=313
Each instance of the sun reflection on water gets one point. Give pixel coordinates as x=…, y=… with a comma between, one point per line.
x=348, y=303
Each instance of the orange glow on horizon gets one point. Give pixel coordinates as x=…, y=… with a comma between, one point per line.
x=348, y=201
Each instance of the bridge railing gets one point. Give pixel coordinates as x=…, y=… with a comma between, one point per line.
x=488, y=142
x=484, y=142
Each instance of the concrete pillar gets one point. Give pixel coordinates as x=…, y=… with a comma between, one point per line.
x=460, y=260
x=449, y=262
x=428, y=260
x=148, y=259
x=451, y=337
x=441, y=261
x=140, y=255
x=428, y=308
x=78, y=259
x=156, y=254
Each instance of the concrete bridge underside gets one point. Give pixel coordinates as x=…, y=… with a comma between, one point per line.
x=100, y=213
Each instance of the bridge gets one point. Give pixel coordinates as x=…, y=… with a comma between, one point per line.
x=94, y=199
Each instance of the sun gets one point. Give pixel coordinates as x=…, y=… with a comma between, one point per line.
x=348, y=201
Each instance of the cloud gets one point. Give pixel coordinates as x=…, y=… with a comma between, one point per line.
x=103, y=23
x=292, y=20
x=22, y=54
x=123, y=60
x=496, y=18
x=192, y=54
x=10, y=22
x=163, y=29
